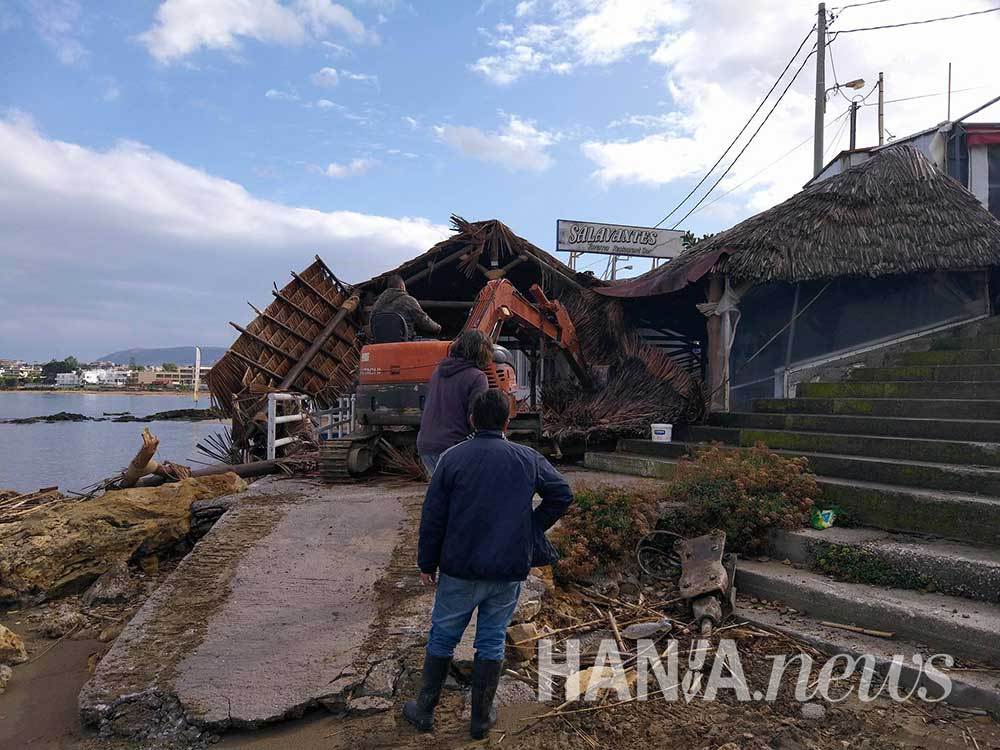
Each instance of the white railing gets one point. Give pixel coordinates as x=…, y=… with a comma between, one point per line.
x=337, y=421
x=274, y=418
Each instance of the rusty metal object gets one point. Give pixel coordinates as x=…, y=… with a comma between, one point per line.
x=707, y=576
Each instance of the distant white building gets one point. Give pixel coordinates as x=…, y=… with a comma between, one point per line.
x=101, y=376
x=67, y=380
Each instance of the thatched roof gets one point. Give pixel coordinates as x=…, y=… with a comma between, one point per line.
x=482, y=246
x=895, y=213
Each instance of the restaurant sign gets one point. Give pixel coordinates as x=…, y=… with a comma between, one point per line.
x=617, y=239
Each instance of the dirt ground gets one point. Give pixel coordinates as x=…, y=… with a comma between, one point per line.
x=39, y=707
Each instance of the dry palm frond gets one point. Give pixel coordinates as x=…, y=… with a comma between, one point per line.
x=400, y=461
x=644, y=385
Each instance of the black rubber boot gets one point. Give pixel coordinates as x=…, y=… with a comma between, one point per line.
x=485, y=678
x=420, y=713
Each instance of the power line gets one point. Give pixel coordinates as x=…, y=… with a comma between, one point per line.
x=927, y=96
x=918, y=23
x=742, y=130
x=747, y=144
x=781, y=158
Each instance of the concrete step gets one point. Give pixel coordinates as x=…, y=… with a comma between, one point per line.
x=964, y=389
x=947, y=357
x=925, y=475
x=935, y=373
x=883, y=407
x=953, y=515
x=910, y=427
x=949, y=624
x=882, y=558
x=952, y=343
x=972, y=689
x=630, y=463
x=884, y=505
x=874, y=446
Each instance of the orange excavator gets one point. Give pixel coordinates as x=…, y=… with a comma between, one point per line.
x=393, y=377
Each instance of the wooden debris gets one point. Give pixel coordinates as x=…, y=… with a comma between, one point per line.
x=856, y=629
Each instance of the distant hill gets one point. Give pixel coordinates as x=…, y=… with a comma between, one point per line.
x=179, y=355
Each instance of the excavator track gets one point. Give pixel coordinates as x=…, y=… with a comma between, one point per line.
x=347, y=457
x=333, y=455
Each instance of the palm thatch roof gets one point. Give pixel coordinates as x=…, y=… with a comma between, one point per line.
x=895, y=213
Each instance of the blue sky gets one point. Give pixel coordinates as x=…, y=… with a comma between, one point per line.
x=161, y=162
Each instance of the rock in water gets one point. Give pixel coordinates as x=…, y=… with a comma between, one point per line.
x=12, y=649
x=63, y=549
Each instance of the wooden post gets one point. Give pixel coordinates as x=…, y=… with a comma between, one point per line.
x=716, y=349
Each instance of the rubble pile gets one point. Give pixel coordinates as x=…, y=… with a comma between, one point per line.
x=63, y=547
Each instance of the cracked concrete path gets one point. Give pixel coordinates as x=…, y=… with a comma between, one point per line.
x=257, y=621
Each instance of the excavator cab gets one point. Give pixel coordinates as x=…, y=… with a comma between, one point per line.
x=393, y=377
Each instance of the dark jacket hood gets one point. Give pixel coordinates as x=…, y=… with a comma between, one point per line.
x=453, y=365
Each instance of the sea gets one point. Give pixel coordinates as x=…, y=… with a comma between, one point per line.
x=72, y=455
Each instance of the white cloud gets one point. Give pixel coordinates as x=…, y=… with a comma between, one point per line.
x=326, y=77
x=525, y=8
x=325, y=104
x=353, y=168
x=185, y=26
x=279, y=95
x=713, y=94
x=411, y=121
x=91, y=222
x=58, y=23
x=518, y=145
x=364, y=77
x=581, y=32
x=111, y=91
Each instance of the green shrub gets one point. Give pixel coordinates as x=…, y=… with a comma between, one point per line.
x=600, y=531
x=744, y=493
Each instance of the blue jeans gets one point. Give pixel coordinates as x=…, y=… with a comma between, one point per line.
x=454, y=603
x=430, y=462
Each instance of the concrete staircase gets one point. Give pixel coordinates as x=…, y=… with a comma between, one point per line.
x=910, y=453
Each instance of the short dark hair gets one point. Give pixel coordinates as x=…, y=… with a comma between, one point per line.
x=491, y=410
x=474, y=346
x=395, y=281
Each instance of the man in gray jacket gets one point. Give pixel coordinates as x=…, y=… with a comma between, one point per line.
x=395, y=299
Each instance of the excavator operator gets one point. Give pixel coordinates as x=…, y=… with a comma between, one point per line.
x=395, y=300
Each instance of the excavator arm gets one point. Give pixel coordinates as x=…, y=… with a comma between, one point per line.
x=500, y=302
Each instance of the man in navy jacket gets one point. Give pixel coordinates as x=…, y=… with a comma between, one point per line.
x=479, y=532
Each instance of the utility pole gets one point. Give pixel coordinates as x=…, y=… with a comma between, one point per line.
x=881, y=109
x=614, y=267
x=949, y=92
x=854, y=124
x=820, y=88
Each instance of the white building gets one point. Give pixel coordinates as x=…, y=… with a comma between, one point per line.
x=67, y=380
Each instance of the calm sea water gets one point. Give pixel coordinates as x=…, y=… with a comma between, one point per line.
x=75, y=454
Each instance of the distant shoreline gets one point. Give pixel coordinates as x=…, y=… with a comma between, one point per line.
x=202, y=395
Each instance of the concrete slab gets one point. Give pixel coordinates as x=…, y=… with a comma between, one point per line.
x=260, y=618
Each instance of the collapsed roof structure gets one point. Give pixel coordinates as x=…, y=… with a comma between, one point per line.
x=309, y=338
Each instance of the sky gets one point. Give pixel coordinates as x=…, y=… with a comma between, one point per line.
x=161, y=163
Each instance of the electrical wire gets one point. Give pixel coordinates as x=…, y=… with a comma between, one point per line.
x=776, y=161
x=742, y=130
x=918, y=23
x=752, y=137
x=926, y=96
